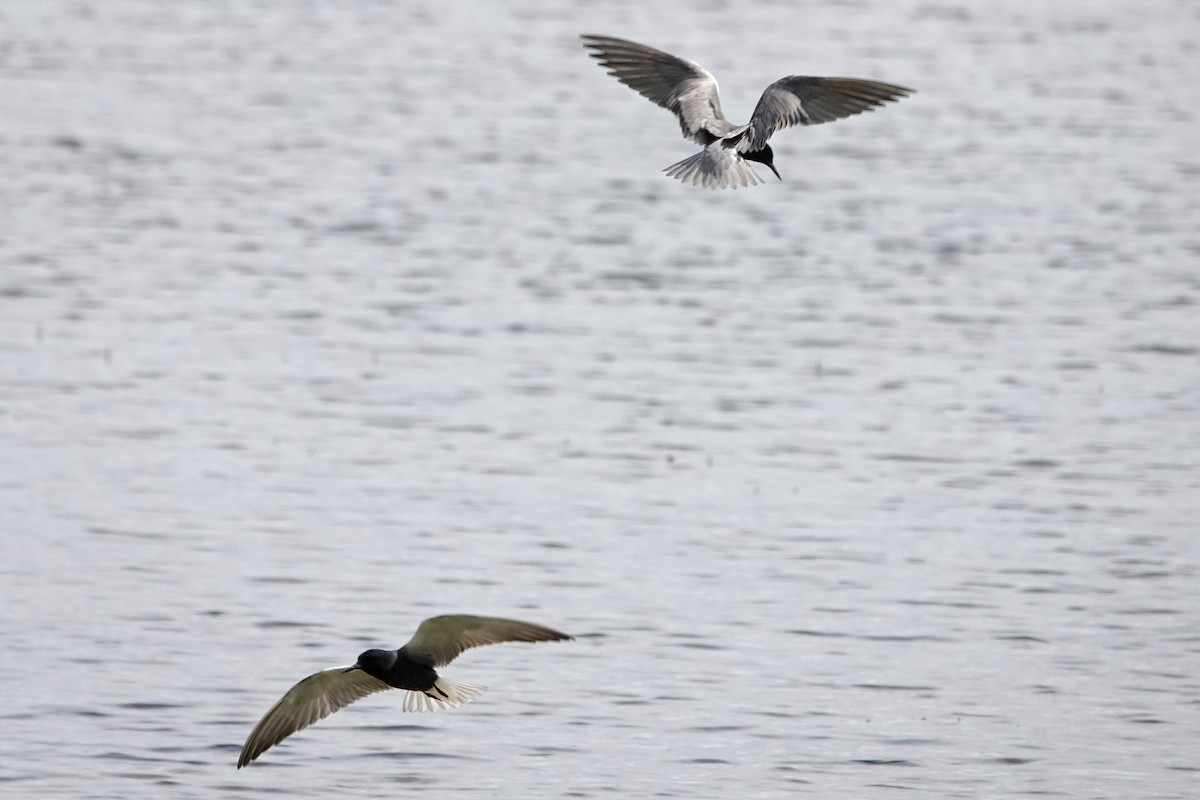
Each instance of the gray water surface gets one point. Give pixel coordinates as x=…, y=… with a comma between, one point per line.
x=317, y=319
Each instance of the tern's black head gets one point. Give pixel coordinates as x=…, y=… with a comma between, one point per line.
x=375, y=662
x=764, y=156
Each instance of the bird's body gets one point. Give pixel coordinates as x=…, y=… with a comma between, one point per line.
x=689, y=91
x=397, y=670
x=437, y=642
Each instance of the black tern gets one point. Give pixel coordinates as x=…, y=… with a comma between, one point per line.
x=689, y=91
x=437, y=642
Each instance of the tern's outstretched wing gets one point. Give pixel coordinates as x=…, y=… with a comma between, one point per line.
x=800, y=100
x=439, y=640
x=313, y=698
x=684, y=88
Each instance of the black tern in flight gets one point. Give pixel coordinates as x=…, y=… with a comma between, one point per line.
x=436, y=643
x=690, y=92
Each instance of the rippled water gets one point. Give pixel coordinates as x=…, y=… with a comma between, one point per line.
x=318, y=319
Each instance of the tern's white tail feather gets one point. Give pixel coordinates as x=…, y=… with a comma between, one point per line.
x=715, y=167
x=444, y=693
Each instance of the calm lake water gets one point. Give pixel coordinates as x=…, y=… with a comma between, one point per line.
x=317, y=319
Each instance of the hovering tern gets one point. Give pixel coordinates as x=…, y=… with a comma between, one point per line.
x=437, y=642
x=690, y=92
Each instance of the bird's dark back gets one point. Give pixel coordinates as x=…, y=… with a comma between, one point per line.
x=398, y=670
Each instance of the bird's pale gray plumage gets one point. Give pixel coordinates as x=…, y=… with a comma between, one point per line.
x=437, y=642
x=690, y=92
x=717, y=166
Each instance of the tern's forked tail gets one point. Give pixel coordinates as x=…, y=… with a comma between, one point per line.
x=444, y=693
x=715, y=167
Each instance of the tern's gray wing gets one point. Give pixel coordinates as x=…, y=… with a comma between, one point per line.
x=682, y=87
x=439, y=640
x=799, y=100
x=313, y=698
